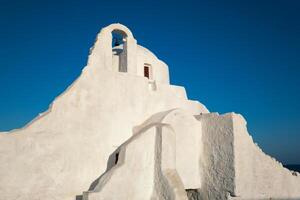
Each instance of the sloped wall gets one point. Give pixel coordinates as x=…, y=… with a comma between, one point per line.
x=234, y=167
x=133, y=175
x=257, y=175
x=146, y=169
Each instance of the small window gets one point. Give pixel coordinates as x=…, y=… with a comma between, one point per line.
x=146, y=71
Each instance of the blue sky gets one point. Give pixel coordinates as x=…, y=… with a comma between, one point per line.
x=240, y=56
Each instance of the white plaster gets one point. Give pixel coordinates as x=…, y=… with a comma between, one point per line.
x=167, y=143
x=188, y=134
x=217, y=158
x=61, y=152
x=146, y=169
x=234, y=167
x=260, y=176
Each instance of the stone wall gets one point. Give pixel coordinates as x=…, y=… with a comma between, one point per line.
x=217, y=158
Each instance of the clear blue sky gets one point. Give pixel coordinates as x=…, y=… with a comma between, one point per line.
x=240, y=56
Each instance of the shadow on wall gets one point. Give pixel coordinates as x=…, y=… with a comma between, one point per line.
x=112, y=161
x=79, y=197
x=193, y=194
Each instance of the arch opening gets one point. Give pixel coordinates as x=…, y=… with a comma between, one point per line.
x=119, y=49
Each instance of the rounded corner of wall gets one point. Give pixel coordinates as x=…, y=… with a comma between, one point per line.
x=203, y=108
x=236, y=117
x=165, y=69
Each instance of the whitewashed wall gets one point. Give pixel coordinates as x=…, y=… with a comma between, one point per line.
x=60, y=153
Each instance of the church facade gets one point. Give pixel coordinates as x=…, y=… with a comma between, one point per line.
x=121, y=131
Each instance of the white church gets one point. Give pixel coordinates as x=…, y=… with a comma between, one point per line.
x=122, y=132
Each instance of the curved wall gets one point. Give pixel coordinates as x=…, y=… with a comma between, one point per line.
x=136, y=56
